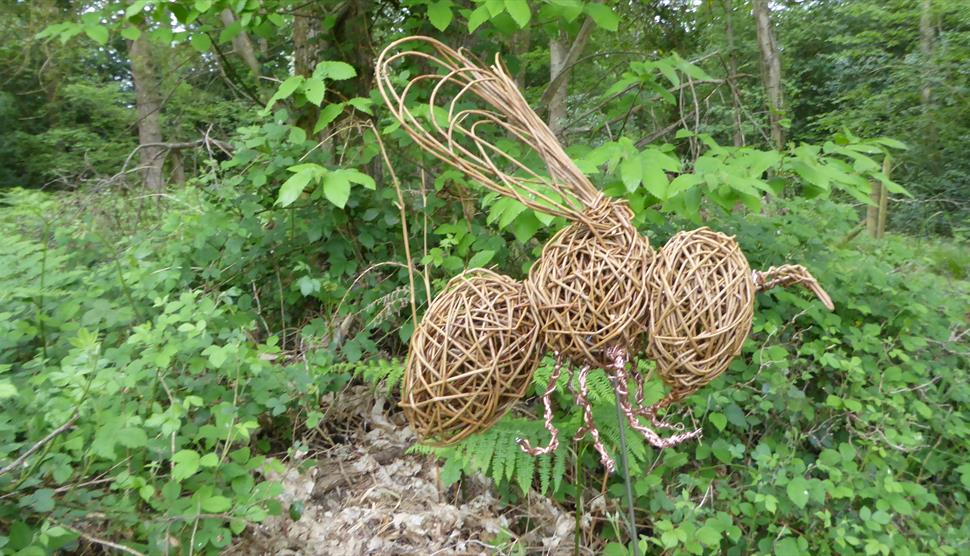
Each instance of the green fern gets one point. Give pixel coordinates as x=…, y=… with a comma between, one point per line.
x=388, y=372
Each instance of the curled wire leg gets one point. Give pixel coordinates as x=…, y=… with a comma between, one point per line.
x=547, y=402
x=582, y=399
x=618, y=375
x=651, y=412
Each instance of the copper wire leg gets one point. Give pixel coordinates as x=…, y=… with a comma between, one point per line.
x=582, y=399
x=547, y=402
x=651, y=412
x=619, y=377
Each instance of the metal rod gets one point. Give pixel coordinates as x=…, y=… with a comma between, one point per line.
x=621, y=423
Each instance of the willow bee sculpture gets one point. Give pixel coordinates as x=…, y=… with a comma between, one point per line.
x=596, y=289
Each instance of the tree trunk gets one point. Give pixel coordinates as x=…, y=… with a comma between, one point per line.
x=876, y=213
x=926, y=50
x=520, y=47
x=241, y=43
x=557, y=102
x=353, y=37
x=306, y=27
x=732, y=63
x=561, y=60
x=770, y=69
x=149, y=106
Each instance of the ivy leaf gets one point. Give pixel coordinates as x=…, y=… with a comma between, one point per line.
x=439, y=14
x=97, y=33
x=603, y=16
x=797, y=490
x=519, y=10
x=338, y=71
x=314, y=89
x=185, y=463
x=201, y=42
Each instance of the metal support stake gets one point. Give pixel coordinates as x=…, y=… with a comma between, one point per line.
x=634, y=537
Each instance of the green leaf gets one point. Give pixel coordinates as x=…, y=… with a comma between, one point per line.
x=7, y=390
x=631, y=172
x=787, y=546
x=131, y=437
x=336, y=188
x=708, y=536
x=131, y=33
x=201, y=42
x=682, y=183
x=185, y=463
x=603, y=16
x=480, y=259
x=216, y=504
x=297, y=135
x=314, y=89
x=439, y=14
x=338, y=71
x=718, y=420
x=293, y=188
x=478, y=16
x=356, y=176
x=327, y=115
x=288, y=87
x=655, y=182
x=797, y=490
x=97, y=33
x=209, y=460
x=519, y=10
x=135, y=8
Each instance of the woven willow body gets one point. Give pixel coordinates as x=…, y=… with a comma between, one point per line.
x=471, y=357
x=701, y=309
x=590, y=285
x=596, y=288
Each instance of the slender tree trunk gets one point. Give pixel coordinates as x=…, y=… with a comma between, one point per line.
x=876, y=213
x=177, y=171
x=771, y=70
x=148, y=104
x=353, y=37
x=732, y=63
x=926, y=40
x=872, y=210
x=562, y=56
x=520, y=46
x=557, y=102
x=306, y=27
x=241, y=43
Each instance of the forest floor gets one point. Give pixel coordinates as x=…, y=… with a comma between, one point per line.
x=364, y=494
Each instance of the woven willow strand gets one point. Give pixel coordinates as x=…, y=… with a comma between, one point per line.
x=458, y=141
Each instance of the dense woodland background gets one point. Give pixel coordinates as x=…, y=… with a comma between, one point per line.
x=202, y=241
